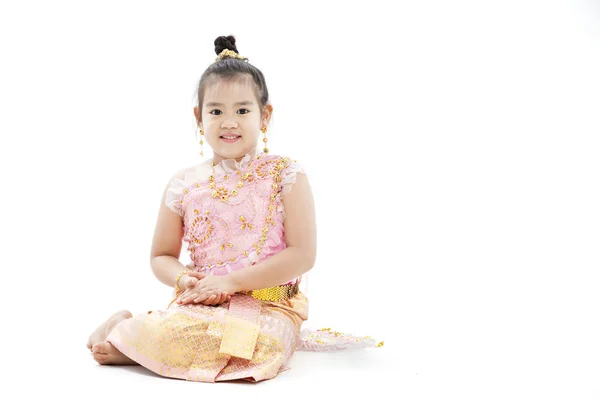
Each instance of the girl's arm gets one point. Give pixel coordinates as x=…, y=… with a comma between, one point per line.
x=166, y=246
x=301, y=239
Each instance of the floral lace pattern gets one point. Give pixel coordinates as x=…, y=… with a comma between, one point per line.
x=236, y=219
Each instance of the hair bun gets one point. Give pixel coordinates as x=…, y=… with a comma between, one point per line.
x=225, y=42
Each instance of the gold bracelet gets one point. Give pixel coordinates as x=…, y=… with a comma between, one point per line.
x=182, y=273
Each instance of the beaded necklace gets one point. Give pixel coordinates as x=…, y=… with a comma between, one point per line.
x=222, y=192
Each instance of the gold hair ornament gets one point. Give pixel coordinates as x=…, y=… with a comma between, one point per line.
x=231, y=54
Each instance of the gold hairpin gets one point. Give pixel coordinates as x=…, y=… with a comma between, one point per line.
x=230, y=53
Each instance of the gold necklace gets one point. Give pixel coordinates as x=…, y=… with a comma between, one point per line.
x=222, y=192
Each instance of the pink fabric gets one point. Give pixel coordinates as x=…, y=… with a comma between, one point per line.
x=226, y=236
x=184, y=341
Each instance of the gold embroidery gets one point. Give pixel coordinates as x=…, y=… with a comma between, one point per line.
x=239, y=338
x=270, y=167
x=245, y=224
x=209, y=229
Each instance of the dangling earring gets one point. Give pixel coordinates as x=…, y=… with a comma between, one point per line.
x=201, y=142
x=264, y=131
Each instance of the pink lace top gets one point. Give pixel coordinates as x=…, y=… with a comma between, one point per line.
x=235, y=220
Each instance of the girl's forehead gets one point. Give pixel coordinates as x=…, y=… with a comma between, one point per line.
x=229, y=92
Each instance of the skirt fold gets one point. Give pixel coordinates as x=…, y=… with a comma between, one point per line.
x=186, y=341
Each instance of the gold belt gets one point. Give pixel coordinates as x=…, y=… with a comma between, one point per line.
x=275, y=293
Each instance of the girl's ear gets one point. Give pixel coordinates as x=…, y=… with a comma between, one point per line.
x=197, y=115
x=266, y=115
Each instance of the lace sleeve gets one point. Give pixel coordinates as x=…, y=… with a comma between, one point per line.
x=174, y=195
x=182, y=180
x=288, y=176
x=174, y=190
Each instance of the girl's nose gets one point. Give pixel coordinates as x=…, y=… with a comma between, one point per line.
x=229, y=125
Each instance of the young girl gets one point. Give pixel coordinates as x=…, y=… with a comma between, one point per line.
x=248, y=220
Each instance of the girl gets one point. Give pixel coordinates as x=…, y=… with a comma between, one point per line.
x=248, y=220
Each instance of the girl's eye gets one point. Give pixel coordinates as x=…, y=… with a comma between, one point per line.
x=241, y=111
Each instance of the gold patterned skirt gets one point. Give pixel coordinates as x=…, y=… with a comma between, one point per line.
x=244, y=338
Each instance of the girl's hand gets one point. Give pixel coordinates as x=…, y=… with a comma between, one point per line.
x=190, y=280
x=210, y=290
x=193, y=277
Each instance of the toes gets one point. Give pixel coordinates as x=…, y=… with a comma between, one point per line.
x=102, y=353
x=101, y=348
x=101, y=358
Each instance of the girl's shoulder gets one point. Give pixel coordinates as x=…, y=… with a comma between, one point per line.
x=288, y=169
x=181, y=180
x=282, y=160
x=286, y=165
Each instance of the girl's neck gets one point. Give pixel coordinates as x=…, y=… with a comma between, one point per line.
x=218, y=159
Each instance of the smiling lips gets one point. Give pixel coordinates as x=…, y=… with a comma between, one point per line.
x=230, y=138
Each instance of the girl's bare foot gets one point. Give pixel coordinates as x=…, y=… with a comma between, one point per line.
x=101, y=333
x=105, y=354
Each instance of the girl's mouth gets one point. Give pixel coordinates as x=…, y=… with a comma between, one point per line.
x=230, y=138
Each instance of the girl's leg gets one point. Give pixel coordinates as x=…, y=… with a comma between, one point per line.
x=104, y=352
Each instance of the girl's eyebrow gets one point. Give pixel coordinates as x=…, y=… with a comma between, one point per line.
x=239, y=103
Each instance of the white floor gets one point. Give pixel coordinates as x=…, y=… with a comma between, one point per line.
x=386, y=373
x=311, y=374
x=408, y=366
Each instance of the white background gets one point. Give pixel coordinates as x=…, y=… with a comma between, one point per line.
x=453, y=152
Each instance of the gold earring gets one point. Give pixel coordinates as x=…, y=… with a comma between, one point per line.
x=265, y=140
x=201, y=142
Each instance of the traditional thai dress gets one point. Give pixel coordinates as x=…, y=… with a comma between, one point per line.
x=232, y=219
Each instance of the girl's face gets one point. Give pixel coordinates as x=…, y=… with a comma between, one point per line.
x=232, y=119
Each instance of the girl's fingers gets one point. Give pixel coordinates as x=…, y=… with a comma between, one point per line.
x=190, y=298
x=214, y=299
x=185, y=297
x=218, y=300
x=204, y=297
x=201, y=294
x=224, y=297
x=205, y=302
x=191, y=293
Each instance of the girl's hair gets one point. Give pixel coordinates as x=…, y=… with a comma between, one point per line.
x=233, y=70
